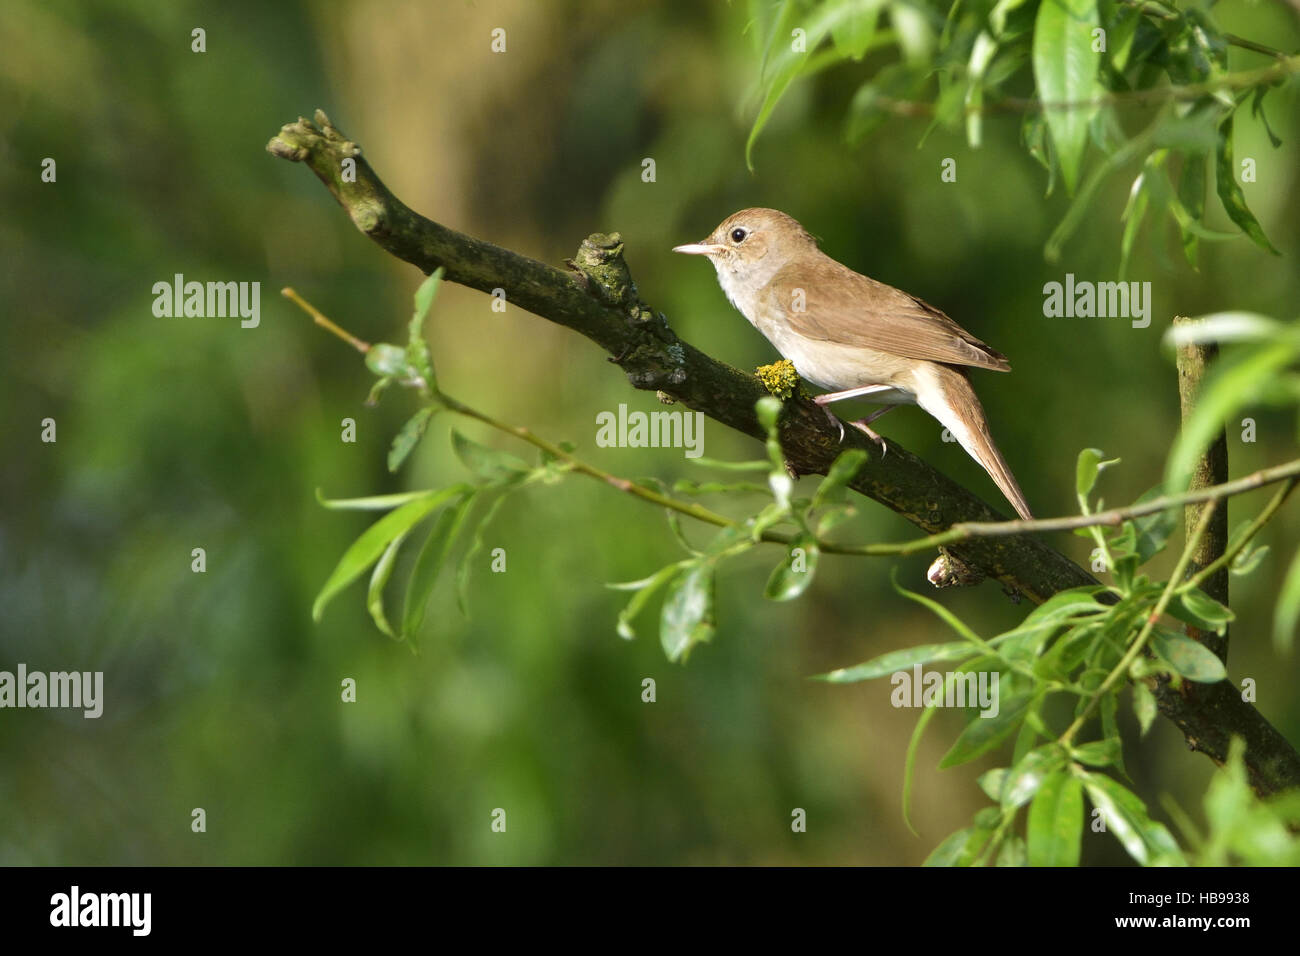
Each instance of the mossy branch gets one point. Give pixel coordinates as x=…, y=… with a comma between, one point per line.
x=596, y=297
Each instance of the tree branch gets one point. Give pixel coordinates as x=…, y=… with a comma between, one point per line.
x=597, y=298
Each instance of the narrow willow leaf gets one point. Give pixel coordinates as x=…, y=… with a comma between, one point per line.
x=950, y=850
x=1191, y=193
x=1288, y=608
x=1087, y=467
x=730, y=465
x=379, y=502
x=425, y=295
x=424, y=575
x=1135, y=211
x=1144, y=706
x=853, y=34
x=687, y=618
x=1055, y=826
x=1232, y=385
x=895, y=661
x=981, y=55
x=648, y=588
x=378, y=579
x=409, y=436
x=1206, y=608
x=1108, y=707
x=1065, y=69
x=789, y=63
x=685, y=486
x=982, y=734
x=1221, y=327
x=792, y=576
x=1097, y=753
x=467, y=557
x=1145, y=840
x=940, y=611
x=993, y=782
x=1013, y=852
x=368, y=548
x=495, y=466
x=1231, y=195
x=1026, y=778
x=844, y=470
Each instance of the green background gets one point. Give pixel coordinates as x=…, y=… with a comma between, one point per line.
x=182, y=433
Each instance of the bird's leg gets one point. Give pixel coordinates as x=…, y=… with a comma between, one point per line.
x=863, y=423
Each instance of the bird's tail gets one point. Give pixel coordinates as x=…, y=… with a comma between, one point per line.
x=958, y=409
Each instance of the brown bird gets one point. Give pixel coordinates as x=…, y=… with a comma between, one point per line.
x=853, y=335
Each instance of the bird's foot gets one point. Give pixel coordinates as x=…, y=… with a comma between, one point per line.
x=862, y=426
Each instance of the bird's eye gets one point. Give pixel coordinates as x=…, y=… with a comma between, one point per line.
x=738, y=235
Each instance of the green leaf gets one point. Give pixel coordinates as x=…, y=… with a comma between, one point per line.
x=368, y=548
x=375, y=595
x=1135, y=211
x=852, y=35
x=789, y=64
x=912, y=27
x=1089, y=464
x=424, y=575
x=1231, y=195
x=895, y=661
x=982, y=734
x=951, y=849
x=685, y=486
x=467, y=557
x=496, y=466
x=939, y=610
x=1153, y=530
x=1028, y=776
x=1063, y=606
x=417, y=350
x=844, y=470
x=424, y=297
x=1222, y=327
x=687, y=618
x=1065, y=69
x=388, y=360
x=1055, y=825
x=378, y=502
x=993, y=782
x=981, y=55
x=1288, y=608
x=1097, y=753
x=1013, y=852
x=1232, y=385
x=647, y=587
x=1144, y=706
x=406, y=440
x=1191, y=193
x=1145, y=840
x=788, y=581
x=1211, y=615
x=730, y=465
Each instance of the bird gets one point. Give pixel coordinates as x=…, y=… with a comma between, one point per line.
x=855, y=336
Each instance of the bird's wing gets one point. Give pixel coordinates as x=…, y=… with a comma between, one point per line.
x=839, y=305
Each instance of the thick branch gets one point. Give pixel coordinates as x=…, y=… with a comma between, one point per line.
x=1211, y=469
x=598, y=298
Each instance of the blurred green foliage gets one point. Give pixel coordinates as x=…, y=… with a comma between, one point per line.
x=174, y=434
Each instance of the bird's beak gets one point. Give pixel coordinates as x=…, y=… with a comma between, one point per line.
x=698, y=249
